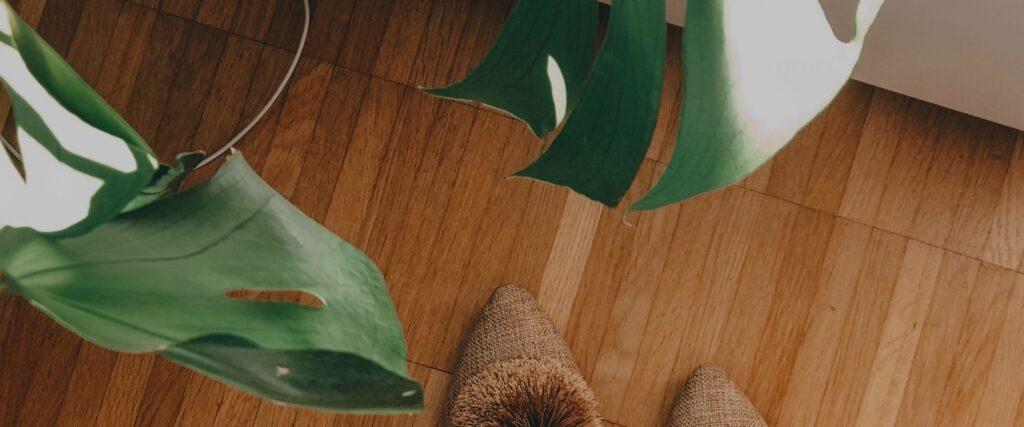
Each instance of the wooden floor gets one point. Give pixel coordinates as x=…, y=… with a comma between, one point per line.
x=869, y=276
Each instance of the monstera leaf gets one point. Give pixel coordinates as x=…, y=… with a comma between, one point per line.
x=98, y=236
x=156, y=279
x=600, y=148
x=756, y=73
x=82, y=163
x=537, y=66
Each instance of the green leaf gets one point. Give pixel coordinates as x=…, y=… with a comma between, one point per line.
x=756, y=73
x=82, y=163
x=536, y=68
x=156, y=279
x=602, y=145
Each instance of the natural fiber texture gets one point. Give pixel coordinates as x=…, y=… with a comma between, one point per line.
x=525, y=393
x=710, y=399
x=512, y=327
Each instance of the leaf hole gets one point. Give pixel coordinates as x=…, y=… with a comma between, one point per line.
x=282, y=296
x=9, y=133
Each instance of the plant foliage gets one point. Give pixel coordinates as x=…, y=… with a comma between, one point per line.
x=756, y=73
x=100, y=238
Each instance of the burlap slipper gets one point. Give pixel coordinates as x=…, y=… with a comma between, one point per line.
x=516, y=371
x=710, y=399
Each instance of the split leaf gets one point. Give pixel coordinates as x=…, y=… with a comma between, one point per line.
x=536, y=68
x=603, y=143
x=82, y=163
x=756, y=73
x=156, y=279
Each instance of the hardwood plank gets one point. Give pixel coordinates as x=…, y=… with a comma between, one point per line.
x=564, y=274
x=189, y=91
x=404, y=149
x=863, y=328
x=123, y=61
x=916, y=136
x=253, y=18
x=986, y=174
x=482, y=28
x=17, y=315
x=255, y=146
x=698, y=220
x=459, y=232
x=184, y=8
x=29, y=10
x=222, y=113
x=41, y=398
x=888, y=117
x=933, y=219
x=217, y=13
x=299, y=115
x=933, y=360
x=328, y=28
x=1004, y=387
x=500, y=245
x=162, y=398
x=365, y=34
x=791, y=303
x=601, y=275
x=890, y=369
x=237, y=409
x=756, y=284
x=286, y=24
x=436, y=173
x=819, y=179
x=536, y=233
x=350, y=204
x=1005, y=245
x=327, y=151
x=628, y=317
x=93, y=37
x=975, y=348
x=844, y=263
x=83, y=397
x=400, y=44
x=440, y=43
x=152, y=4
x=58, y=22
x=202, y=400
x=125, y=389
x=152, y=90
x=710, y=299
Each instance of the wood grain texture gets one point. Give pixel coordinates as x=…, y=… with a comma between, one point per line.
x=869, y=275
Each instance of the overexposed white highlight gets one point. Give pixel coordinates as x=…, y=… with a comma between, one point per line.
x=785, y=64
x=559, y=93
x=52, y=196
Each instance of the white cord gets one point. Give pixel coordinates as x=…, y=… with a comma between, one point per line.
x=273, y=98
x=10, y=149
x=277, y=94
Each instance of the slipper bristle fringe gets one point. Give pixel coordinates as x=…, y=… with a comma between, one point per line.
x=526, y=393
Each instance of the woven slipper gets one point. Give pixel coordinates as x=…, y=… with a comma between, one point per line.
x=710, y=399
x=516, y=371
